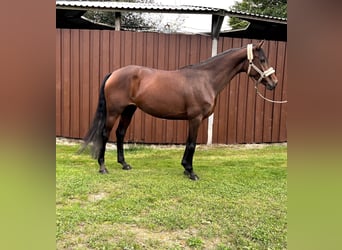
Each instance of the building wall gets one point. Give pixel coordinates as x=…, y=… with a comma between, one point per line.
x=84, y=57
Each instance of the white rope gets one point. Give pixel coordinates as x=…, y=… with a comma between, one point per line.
x=266, y=99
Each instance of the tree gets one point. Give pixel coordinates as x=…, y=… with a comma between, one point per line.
x=275, y=8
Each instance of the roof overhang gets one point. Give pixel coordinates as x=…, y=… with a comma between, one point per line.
x=139, y=7
x=261, y=27
x=73, y=19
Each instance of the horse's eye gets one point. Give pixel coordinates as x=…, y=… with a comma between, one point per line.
x=262, y=60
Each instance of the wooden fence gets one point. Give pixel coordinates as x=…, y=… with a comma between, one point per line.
x=83, y=57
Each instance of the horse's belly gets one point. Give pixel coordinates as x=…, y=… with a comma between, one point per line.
x=163, y=105
x=162, y=95
x=163, y=108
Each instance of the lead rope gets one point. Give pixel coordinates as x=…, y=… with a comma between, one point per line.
x=266, y=99
x=262, y=74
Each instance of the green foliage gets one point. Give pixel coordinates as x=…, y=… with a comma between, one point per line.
x=130, y=20
x=275, y=8
x=239, y=202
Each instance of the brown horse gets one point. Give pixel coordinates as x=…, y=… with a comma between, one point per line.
x=189, y=93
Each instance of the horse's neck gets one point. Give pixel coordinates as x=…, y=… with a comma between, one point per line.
x=226, y=67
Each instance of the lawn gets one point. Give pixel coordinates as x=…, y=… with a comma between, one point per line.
x=238, y=203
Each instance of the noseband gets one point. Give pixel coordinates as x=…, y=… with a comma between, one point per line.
x=263, y=74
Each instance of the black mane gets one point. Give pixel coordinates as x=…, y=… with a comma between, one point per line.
x=209, y=60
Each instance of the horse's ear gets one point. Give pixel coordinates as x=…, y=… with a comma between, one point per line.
x=260, y=44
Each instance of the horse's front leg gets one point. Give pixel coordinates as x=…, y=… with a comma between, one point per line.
x=190, y=149
x=187, y=160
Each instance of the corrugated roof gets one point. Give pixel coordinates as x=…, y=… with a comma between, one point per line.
x=245, y=15
x=144, y=7
x=127, y=6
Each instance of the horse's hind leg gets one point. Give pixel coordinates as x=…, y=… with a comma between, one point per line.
x=105, y=136
x=101, y=159
x=125, y=120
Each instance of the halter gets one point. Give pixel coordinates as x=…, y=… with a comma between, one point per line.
x=263, y=74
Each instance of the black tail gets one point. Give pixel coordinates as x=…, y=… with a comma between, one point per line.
x=97, y=130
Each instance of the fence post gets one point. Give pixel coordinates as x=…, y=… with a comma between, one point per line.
x=211, y=117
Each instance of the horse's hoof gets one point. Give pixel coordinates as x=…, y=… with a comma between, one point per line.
x=194, y=177
x=186, y=173
x=126, y=167
x=103, y=171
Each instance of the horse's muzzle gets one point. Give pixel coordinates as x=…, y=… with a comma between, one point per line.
x=271, y=87
x=272, y=82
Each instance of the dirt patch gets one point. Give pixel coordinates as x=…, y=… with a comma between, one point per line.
x=97, y=197
x=166, y=239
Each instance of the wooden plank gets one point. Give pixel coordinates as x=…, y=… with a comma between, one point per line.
x=271, y=52
x=116, y=54
x=111, y=51
x=127, y=44
x=279, y=68
x=104, y=53
x=66, y=82
x=75, y=84
x=58, y=82
x=85, y=116
x=283, y=116
x=94, y=70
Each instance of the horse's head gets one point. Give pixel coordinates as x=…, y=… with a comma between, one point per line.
x=258, y=66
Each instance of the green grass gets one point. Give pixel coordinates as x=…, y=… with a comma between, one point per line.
x=238, y=203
